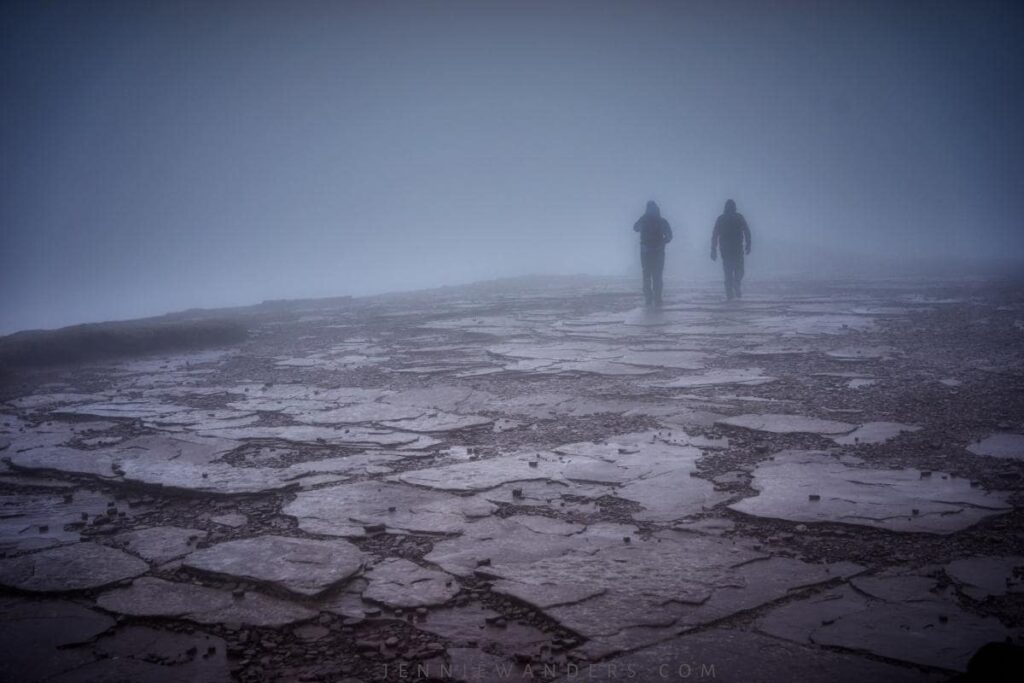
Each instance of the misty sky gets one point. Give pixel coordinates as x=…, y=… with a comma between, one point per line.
x=160, y=156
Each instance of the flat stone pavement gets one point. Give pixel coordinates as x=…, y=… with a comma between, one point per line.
x=529, y=480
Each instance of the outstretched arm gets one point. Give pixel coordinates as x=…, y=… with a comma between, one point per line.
x=636, y=226
x=746, y=234
x=666, y=233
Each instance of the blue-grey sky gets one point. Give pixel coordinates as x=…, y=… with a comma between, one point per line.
x=164, y=155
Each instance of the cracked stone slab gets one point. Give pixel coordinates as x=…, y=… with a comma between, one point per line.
x=160, y=544
x=80, y=566
x=797, y=620
x=297, y=565
x=370, y=462
x=211, y=478
x=655, y=471
x=617, y=461
x=735, y=656
x=66, y=461
x=44, y=520
x=123, y=409
x=177, y=451
x=1000, y=445
x=563, y=495
x=198, y=420
x=576, y=351
x=862, y=353
x=347, y=509
x=250, y=395
x=356, y=413
x=898, y=500
x=787, y=424
x=677, y=360
x=650, y=471
x=671, y=495
x=43, y=400
x=592, y=358
x=178, y=447
x=495, y=540
x=873, y=433
x=477, y=475
x=23, y=437
x=348, y=603
x=635, y=590
x=36, y=637
x=354, y=437
x=152, y=597
x=934, y=633
x=397, y=582
x=712, y=378
x=773, y=350
x=190, y=463
x=440, y=422
x=602, y=367
x=904, y=588
x=146, y=655
x=622, y=460
x=547, y=405
x=983, y=577
x=548, y=525
x=812, y=324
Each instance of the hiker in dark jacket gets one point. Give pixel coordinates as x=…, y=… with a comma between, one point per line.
x=732, y=237
x=655, y=233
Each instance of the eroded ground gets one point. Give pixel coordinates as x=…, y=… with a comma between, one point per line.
x=822, y=482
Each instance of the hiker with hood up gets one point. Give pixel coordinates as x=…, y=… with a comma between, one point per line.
x=732, y=236
x=655, y=233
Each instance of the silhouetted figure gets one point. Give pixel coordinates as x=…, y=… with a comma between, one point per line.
x=732, y=237
x=655, y=233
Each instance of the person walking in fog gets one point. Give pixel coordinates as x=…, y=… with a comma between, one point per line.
x=731, y=236
x=655, y=233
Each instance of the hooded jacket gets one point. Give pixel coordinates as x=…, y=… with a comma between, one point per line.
x=654, y=230
x=731, y=233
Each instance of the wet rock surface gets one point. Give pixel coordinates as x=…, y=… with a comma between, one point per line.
x=297, y=565
x=809, y=486
x=68, y=568
x=537, y=483
x=1000, y=446
x=400, y=583
x=160, y=544
x=152, y=597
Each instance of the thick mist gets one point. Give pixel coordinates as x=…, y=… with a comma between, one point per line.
x=160, y=156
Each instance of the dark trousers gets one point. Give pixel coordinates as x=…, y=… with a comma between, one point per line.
x=732, y=264
x=652, y=259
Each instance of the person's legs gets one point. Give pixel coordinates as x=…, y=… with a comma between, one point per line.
x=727, y=268
x=737, y=276
x=657, y=270
x=645, y=263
